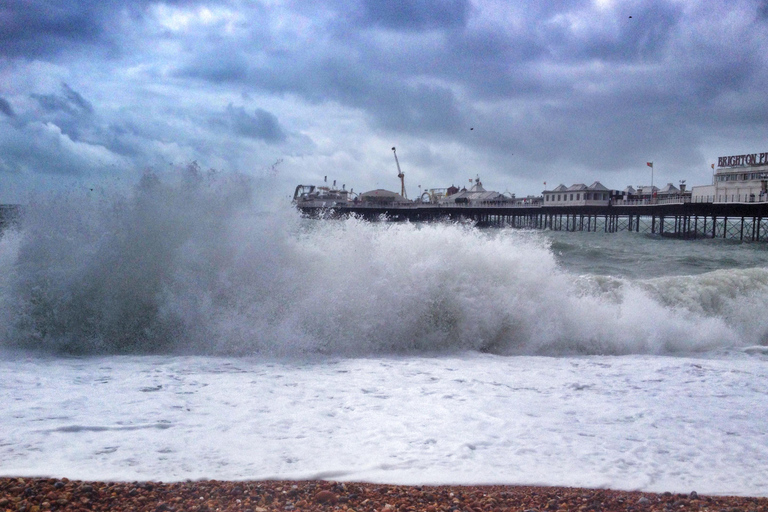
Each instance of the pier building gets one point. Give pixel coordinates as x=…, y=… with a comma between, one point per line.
x=579, y=195
x=737, y=179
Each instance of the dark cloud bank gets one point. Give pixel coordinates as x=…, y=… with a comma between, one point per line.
x=550, y=88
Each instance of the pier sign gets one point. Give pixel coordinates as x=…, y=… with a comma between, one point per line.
x=733, y=161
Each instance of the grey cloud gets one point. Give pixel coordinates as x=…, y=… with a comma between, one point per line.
x=35, y=150
x=32, y=29
x=261, y=125
x=69, y=110
x=615, y=36
x=5, y=108
x=222, y=66
x=70, y=102
x=45, y=30
x=76, y=99
x=410, y=15
x=762, y=10
x=421, y=109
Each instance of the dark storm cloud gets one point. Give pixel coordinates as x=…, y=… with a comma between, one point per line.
x=39, y=29
x=5, y=108
x=261, y=125
x=35, y=28
x=70, y=102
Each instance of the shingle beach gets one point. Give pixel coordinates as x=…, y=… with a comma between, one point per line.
x=40, y=494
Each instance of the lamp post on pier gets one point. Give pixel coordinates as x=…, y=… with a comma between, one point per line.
x=650, y=164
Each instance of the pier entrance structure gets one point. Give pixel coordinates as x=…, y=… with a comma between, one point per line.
x=739, y=178
x=736, y=221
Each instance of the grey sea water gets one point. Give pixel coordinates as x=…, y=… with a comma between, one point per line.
x=178, y=331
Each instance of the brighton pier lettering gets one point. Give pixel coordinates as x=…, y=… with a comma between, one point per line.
x=733, y=161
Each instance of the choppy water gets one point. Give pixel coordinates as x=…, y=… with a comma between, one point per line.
x=174, y=332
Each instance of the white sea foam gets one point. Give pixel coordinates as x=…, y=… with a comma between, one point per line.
x=656, y=423
x=190, y=267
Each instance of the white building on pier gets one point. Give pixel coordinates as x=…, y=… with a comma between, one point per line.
x=738, y=179
x=577, y=195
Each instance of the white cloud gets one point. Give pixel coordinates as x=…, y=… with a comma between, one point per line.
x=181, y=19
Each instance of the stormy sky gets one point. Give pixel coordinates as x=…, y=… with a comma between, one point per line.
x=519, y=93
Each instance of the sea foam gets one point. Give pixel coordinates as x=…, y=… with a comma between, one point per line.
x=192, y=266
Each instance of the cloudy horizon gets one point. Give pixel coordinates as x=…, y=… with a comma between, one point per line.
x=517, y=93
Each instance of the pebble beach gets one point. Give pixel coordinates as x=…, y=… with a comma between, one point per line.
x=41, y=494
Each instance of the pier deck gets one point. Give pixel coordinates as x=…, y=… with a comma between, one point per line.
x=736, y=221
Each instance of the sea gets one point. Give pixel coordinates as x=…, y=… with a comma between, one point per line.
x=180, y=330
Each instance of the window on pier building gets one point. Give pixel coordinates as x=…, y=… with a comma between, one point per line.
x=571, y=197
x=578, y=196
x=558, y=197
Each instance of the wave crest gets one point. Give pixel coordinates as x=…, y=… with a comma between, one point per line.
x=191, y=267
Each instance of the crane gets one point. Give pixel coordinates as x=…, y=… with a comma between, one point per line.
x=400, y=175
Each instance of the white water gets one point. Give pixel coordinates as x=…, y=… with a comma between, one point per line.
x=630, y=422
x=387, y=352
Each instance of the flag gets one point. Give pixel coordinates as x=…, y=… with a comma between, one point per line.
x=649, y=164
x=713, y=166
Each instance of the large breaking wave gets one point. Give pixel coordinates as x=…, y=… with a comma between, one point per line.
x=190, y=266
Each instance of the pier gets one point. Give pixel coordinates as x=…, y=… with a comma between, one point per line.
x=735, y=221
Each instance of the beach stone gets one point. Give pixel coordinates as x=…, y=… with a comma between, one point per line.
x=326, y=497
x=644, y=501
x=694, y=495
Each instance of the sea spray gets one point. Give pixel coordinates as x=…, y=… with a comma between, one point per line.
x=191, y=266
